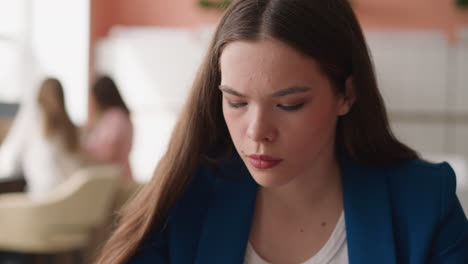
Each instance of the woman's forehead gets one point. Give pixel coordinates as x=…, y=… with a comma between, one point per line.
x=269, y=63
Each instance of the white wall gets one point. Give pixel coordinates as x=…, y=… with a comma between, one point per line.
x=424, y=81
x=13, y=29
x=411, y=69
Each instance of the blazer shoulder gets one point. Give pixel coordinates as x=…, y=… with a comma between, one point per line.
x=423, y=173
x=422, y=186
x=426, y=210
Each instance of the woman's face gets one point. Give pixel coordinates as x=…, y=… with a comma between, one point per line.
x=280, y=109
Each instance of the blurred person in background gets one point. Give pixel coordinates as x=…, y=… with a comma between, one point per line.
x=109, y=136
x=42, y=143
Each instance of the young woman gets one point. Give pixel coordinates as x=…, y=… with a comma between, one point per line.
x=110, y=135
x=43, y=142
x=284, y=154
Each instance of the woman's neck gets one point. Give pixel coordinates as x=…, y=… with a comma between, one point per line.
x=300, y=216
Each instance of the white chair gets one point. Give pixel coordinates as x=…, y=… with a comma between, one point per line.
x=64, y=219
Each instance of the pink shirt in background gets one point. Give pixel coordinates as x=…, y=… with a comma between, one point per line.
x=111, y=140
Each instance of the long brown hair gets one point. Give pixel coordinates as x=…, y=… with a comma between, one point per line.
x=327, y=31
x=106, y=95
x=56, y=120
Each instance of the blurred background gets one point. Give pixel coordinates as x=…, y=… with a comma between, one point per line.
x=152, y=49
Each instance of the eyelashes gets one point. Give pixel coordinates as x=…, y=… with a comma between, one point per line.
x=236, y=105
x=289, y=108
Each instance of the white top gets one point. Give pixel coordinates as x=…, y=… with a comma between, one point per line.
x=45, y=162
x=335, y=251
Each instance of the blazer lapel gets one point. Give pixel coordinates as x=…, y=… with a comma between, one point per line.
x=226, y=227
x=367, y=214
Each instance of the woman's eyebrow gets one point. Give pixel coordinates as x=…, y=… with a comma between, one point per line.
x=291, y=90
x=229, y=90
x=283, y=92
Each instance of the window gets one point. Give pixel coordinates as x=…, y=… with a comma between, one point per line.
x=46, y=38
x=12, y=39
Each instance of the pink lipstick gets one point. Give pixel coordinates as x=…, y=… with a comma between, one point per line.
x=263, y=161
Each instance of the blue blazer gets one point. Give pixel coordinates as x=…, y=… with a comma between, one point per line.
x=406, y=214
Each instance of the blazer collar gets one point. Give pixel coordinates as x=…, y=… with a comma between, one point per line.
x=226, y=228
x=368, y=218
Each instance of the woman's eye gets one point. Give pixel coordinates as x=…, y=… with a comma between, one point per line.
x=236, y=105
x=291, y=107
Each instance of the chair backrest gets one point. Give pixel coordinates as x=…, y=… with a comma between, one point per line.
x=84, y=200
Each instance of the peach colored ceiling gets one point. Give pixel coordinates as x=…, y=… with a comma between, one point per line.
x=373, y=14
x=164, y=13
x=175, y=13
x=411, y=14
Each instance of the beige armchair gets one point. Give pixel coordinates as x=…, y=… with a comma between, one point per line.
x=62, y=221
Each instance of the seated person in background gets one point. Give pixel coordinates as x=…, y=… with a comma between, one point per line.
x=43, y=142
x=110, y=134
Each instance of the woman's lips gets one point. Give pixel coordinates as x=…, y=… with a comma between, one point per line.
x=263, y=161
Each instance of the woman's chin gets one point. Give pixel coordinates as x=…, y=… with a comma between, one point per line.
x=271, y=180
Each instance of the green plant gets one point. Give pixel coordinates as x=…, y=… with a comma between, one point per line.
x=216, y=4
x=462, y=3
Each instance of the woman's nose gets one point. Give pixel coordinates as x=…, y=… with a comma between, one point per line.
x=261, y=129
